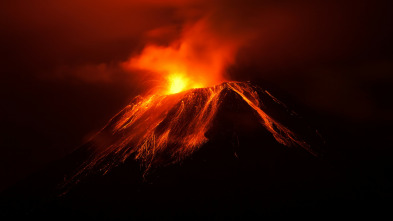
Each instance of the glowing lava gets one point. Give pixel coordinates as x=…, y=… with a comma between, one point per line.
x=178, y=83
x=165, y=129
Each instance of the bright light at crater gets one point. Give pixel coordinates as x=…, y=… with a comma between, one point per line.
x=177, y=83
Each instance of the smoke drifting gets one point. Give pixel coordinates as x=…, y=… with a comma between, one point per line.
x=271, y=35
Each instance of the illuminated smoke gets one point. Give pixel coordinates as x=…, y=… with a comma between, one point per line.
x=197, y=59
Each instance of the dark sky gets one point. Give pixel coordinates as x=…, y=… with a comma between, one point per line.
x=62, y=79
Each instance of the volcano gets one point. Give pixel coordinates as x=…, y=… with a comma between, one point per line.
x=159, y=130
x=231, y=150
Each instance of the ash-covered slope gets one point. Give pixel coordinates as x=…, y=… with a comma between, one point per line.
x=205, y=152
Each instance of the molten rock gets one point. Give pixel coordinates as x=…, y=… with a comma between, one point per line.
x=159, y=130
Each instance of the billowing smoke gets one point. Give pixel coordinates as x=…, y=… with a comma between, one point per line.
x=198, y=58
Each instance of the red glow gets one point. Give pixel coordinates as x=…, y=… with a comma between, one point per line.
x=198, y=59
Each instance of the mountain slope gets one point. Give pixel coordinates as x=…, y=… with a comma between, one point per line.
x=163, y=129
x=204, y=152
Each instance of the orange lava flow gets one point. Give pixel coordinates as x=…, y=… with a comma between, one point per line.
x=165, y=129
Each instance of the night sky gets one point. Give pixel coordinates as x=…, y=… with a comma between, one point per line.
x=62, y=78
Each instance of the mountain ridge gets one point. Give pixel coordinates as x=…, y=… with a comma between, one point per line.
x=238, y=152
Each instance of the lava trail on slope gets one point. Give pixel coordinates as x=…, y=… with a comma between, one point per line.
x=159, y=130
